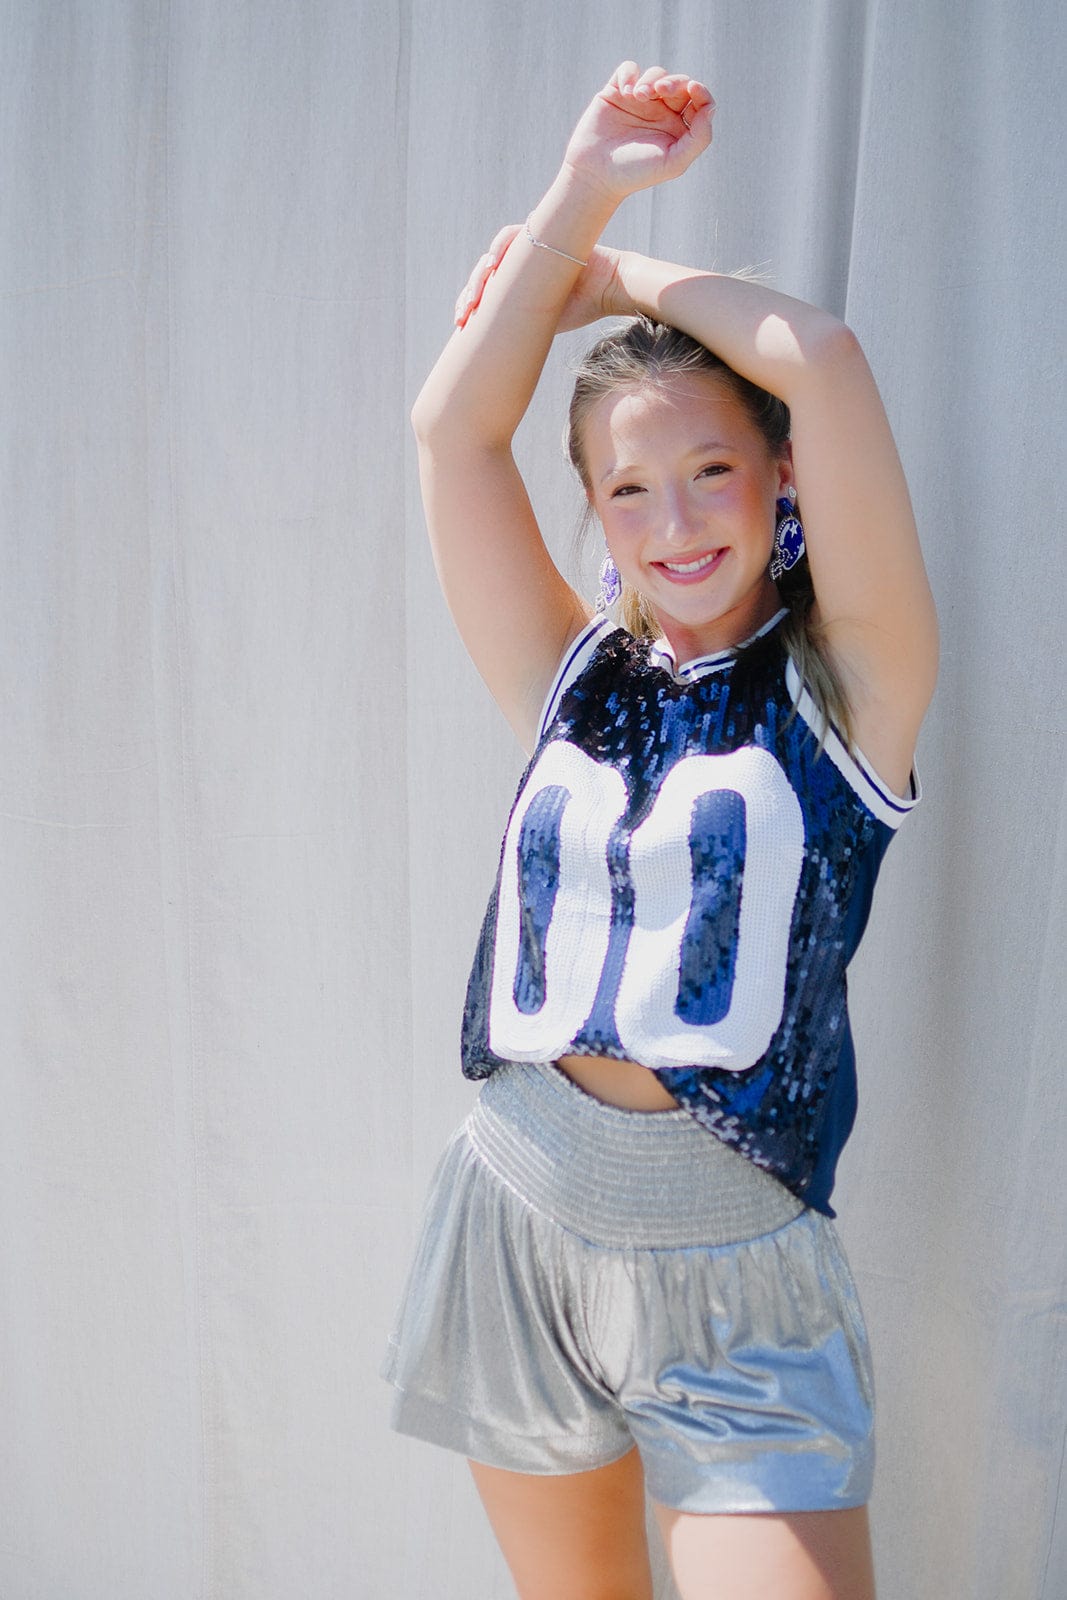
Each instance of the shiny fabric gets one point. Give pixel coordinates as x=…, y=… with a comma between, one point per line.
x=589, y=1278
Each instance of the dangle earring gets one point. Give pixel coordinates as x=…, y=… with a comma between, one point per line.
x=610, y=584
x=788, y=536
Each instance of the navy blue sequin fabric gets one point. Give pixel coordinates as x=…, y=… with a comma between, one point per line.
x=705, y=969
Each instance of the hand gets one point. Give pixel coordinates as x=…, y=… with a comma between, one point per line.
x=641, y=129
x=596, y=292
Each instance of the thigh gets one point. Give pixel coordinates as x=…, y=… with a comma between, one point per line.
x=801, y=1555
x=577, y=1536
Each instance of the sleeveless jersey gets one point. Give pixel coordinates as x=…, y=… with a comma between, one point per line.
x=686, y=873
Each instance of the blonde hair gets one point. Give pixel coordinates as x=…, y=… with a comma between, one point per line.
x=643, y=352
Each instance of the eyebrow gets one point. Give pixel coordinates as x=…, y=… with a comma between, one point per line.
x=707, y=448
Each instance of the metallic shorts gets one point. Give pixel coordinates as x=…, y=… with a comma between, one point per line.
x=590, y=1278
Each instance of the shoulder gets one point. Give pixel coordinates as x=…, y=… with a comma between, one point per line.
x=602, y=655
x=888, y=804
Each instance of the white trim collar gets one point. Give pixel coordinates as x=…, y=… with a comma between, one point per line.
x=663, y=654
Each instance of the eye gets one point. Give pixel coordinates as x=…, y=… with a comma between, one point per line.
x=713, y=469
x=626, y=488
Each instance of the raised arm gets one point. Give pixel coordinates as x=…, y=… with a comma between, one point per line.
x=873, y=604
x=513, y=608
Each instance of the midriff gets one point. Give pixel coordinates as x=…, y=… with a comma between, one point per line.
x=618, y=1083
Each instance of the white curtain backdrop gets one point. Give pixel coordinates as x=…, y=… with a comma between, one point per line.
x=251, y=790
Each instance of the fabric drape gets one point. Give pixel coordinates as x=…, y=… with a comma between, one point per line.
x=251, y=790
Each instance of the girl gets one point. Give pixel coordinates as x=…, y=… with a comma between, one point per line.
x=628, y=1274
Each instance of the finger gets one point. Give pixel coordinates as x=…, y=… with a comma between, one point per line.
x=698, y=126
x=673, y=91
x=671, y=83
x=501, y=243
x=697, y=108
x=481, y=270
x=471, y=293
x=699, y=94
x=643, y=89
x=463, y=308
x=684, y=95
x=468, y=302
x=623, y=78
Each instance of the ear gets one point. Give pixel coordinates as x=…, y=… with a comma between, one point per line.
x=785, y=467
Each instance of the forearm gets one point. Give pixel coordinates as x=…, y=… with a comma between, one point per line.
x=770, y=338
x=485, y=377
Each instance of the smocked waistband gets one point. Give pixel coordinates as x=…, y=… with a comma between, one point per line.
x=624, y=1179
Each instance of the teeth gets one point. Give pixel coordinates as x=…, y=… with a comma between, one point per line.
x=690, y=566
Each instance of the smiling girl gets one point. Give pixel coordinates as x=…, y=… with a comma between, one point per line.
x=628, y=1275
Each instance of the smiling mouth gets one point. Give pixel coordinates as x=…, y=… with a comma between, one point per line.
x=691, y=569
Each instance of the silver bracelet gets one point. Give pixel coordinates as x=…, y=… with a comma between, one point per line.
x=541, y=245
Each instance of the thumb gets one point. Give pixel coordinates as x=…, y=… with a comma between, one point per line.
x=698, y=126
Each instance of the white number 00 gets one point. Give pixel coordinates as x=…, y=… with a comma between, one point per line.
x=576, y=940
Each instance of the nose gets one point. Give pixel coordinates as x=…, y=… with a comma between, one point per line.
x=682, y=523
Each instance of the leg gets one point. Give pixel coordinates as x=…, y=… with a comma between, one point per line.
x=802, y=1555
x=580, y=1536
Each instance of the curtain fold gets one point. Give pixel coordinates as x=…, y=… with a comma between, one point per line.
x=252, y=790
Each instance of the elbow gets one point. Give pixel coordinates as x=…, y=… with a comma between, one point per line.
x=423, y=417
x=832, y=344
x=442, y=437
x=437, y=412
x=831, y=362
x=808, y=350
x=442, y=424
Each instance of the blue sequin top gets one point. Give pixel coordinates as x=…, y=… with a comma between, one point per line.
x=685, y=876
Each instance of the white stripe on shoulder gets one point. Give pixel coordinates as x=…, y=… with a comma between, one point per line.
x=575, y=659
x=853, y=765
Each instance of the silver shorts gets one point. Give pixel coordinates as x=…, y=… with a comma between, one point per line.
x=590, y=1278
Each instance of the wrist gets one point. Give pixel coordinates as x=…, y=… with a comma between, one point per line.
x=632, y=292
x=572, y=213
x=615, y=299
x=643, y=280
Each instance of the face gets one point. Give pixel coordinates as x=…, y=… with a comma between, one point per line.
x=685, y=486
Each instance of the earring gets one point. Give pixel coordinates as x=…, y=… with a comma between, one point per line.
x=610, y=584
x=788, y=536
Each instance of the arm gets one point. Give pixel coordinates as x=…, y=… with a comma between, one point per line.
x=873, y=601
x=514, y=610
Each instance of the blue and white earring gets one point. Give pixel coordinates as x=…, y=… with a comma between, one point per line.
x=610, y=584
x=788, y=536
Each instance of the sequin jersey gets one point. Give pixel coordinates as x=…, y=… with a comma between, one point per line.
x=684, y=879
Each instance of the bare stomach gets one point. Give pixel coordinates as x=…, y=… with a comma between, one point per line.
x=618, y=1083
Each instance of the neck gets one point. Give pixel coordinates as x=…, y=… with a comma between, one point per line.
x=727, y=632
